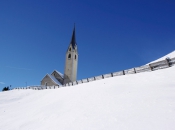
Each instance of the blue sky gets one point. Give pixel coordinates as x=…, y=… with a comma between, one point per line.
x=111, y=36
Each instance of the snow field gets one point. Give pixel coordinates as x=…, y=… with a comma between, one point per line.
x=138, y=101
x=142, y=101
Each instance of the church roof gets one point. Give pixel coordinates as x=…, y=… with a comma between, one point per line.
x=62, y=75
x=54, y=79
x=73, y=40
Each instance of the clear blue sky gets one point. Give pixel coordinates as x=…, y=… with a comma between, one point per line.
x=111, y=35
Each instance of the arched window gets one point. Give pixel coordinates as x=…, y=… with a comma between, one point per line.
x=75, y=56
x=69, y=49
x=69, y=56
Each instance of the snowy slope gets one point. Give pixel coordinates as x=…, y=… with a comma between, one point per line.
x=144, y=101
x=170, y=55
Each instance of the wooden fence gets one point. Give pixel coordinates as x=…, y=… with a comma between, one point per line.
x=146, y=68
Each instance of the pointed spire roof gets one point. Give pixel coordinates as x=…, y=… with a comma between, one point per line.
x=73, y=40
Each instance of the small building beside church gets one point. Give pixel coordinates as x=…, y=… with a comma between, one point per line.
x=70, y=73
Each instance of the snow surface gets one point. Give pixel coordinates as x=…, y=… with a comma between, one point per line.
x=170, y=55
x=143, y=101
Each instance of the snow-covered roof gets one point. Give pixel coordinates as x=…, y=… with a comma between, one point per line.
x=54, y=79
x=62, y=75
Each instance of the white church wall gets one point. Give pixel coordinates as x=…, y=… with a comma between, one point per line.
x=75, y=65
x=47, y=81
x=71, y=65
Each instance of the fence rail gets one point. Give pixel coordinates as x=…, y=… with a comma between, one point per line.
x=143, y=69
x=146, y=68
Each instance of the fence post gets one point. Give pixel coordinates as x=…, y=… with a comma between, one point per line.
x=87, y=80
x=123, y=72
x=168, y=61
x=102, y=77
x=82, y=81
x=111, y=74
x=134, y=70
x=94, y=78
x=150, y=67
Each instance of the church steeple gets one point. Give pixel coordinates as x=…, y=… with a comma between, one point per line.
x=70, y=72
x=73, y=40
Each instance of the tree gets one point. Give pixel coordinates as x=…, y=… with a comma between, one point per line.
x=6, y=88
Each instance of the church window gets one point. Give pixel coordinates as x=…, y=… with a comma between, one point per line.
x=69, y=56
x=69, y=49
x=75, y=56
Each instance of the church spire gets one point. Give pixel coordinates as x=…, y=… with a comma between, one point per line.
x=70, y=72
x=73, y=40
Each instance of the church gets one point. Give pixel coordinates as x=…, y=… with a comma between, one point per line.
x=70, y=73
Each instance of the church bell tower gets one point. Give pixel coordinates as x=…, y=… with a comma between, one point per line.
x=70, y=72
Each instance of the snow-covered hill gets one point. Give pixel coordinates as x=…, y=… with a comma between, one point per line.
x=170, y=55
x=143, y=101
